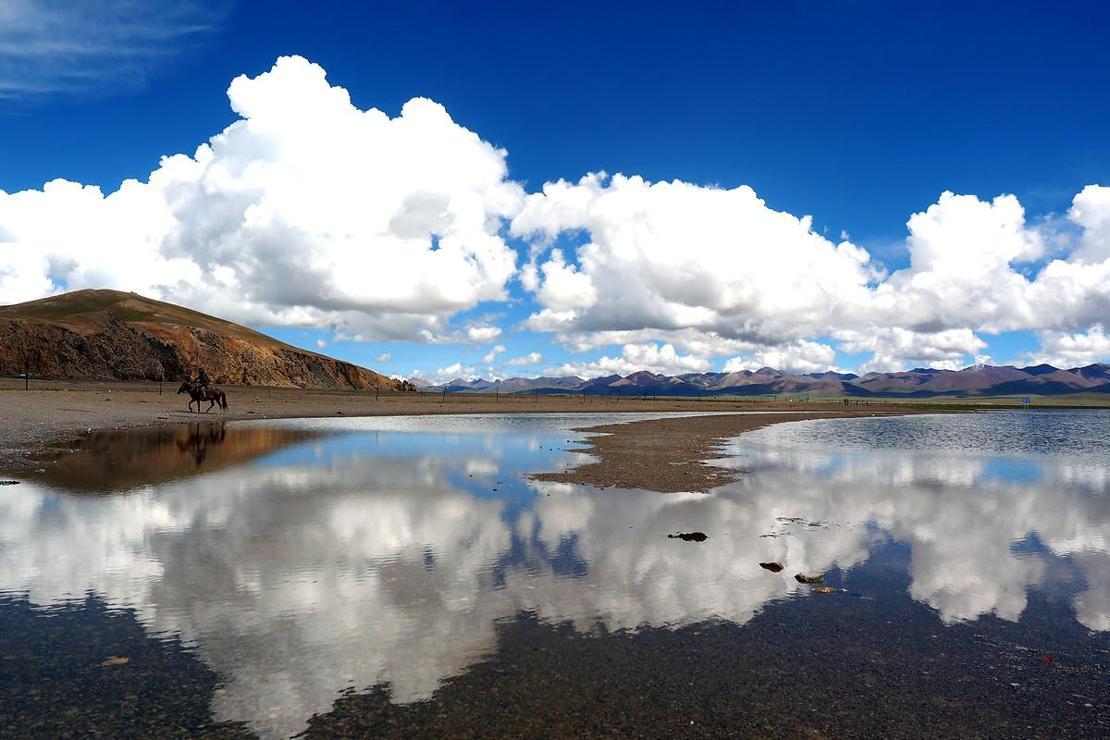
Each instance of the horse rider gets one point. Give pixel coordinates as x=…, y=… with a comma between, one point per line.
x=202, y=380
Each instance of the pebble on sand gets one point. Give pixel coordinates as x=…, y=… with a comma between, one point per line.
x=115, y=660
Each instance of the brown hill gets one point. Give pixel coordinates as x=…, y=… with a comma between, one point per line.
x=109, y=335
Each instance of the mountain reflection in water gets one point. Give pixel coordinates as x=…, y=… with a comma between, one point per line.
x=125, y=459
x=389, y=551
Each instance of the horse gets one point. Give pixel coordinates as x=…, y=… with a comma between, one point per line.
x=214, y=396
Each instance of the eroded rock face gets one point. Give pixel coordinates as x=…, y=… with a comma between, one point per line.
x=118, y=341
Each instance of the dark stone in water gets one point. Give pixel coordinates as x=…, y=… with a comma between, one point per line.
x=689, y=536
x=773, y=567
x=9, y=483
x=800, y=578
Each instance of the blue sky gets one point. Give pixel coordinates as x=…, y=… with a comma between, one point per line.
x=857, y=114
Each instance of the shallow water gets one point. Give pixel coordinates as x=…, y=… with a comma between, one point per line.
x=403, y=575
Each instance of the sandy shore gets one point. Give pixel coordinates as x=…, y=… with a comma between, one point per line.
x=668, y=455
x=662, y=455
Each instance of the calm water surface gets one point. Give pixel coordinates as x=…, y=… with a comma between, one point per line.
x=403, y=576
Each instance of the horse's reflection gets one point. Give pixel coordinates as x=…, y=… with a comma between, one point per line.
x=200, y=439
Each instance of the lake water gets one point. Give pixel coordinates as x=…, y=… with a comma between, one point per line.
x=403, y=576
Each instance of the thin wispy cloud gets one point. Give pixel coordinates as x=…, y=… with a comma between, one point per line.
x=59, y=47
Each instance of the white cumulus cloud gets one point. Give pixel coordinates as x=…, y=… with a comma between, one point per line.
x=530, y=359
x=1068, y=350
x=1091, y=210
x=446, y=374
x=306, y=210
x=893, y=348
x=657, y=358
x=482, y=333
x=672, y=255
x=493, y=353
x=310, y=211
x=666, y=258
x=797, y=357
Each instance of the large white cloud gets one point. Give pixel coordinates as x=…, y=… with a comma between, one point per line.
x=667, y=257
x=305, y=210
x=672, y=255
x=961, y=273
x=893, y=347
x=310, y=211
x=1091, y=210
x=1064, y=349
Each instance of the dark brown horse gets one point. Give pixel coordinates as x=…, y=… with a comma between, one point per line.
x=214, y=396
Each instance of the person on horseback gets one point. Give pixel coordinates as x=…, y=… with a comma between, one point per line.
x=199, y=390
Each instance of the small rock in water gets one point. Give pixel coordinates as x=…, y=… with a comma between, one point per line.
x=115, y=660
x=802, y=578
x=773, y=567
x=689, y=536
x=9, y=483
x=824, y=589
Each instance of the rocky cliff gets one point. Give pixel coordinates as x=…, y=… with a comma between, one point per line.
x=108, y=335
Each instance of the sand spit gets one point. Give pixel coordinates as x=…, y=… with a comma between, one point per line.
x=669, y=455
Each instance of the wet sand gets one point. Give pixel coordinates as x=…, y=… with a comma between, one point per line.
x=664, y=455
x=669, y=455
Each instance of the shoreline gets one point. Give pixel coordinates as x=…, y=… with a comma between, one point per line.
x=674, y=455
x=668, y=454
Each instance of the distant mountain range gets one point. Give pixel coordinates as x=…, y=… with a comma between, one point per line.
x=109, y=335
x=978, y=380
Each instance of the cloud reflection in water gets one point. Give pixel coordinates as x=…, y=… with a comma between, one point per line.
x=389, y=556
